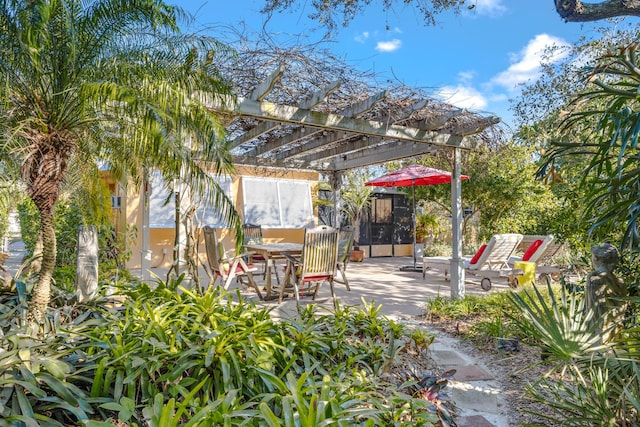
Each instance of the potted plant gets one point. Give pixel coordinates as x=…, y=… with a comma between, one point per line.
x=355, y=197
x=427, y=226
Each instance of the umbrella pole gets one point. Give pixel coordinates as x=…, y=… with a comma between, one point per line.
x=415, y=235
x=414, y=267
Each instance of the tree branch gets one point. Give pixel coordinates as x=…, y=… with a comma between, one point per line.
x=577, y=11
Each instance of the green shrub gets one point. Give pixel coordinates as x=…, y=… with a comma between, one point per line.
x=470, y=305
x=437, y=249
x=175, y=357
x=69, y=217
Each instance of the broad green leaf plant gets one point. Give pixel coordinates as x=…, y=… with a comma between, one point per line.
x=167, y=356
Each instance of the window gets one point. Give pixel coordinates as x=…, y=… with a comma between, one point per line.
x=382, y=213
x=207, y=214
x=163, y=215
x=277, y=202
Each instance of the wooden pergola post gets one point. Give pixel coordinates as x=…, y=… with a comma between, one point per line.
x=457, y=262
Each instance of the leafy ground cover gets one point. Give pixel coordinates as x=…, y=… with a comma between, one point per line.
x=169, y=356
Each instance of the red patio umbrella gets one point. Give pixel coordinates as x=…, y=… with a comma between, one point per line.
x=412, y=176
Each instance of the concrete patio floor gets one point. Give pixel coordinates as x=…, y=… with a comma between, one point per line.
x=400, y=294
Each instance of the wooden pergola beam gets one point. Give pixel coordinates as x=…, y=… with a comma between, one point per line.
x=359, y=144
x=253, y=133
x=379, y=154
x=319, y=141
x=248, y=160
x=264, y=127
x=363, y=106
x=416, y=106
x=436, y=123
x=318, y=96
x=275, y=143
x=307, y=132
x=354, y=144
x=332, y=137
x=296, y=115
x=267, y=85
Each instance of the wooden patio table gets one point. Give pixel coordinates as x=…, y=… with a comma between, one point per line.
x=271, y=252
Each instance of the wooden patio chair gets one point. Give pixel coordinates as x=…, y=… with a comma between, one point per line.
x=227, y=265
x=317, y=264
x=345, y=242
x=253, y=234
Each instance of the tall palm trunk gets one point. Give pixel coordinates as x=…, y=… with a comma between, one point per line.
x=42, y=291
x=43, y=174
x=35, y=262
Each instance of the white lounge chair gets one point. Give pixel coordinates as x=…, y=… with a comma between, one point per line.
x=540, y=250
x=491, y=260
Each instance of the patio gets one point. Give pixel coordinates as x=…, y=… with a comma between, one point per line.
x=402, y=294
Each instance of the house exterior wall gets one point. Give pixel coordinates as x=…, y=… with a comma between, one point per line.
x=161, y=240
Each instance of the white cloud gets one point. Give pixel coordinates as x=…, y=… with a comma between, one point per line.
x=389, y=46
x=498, y=97
x=490, y=7
x=526, y=65
x=466, y=76
x=463, y=96
x=362, y=37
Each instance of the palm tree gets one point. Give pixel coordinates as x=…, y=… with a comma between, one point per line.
x=106, y=80
x=356, y=197
x=608, y=110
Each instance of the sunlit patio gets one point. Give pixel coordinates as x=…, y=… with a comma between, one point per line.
x=401, y=294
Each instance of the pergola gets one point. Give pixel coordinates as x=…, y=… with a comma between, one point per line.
x=316, y=135
x=301, y=108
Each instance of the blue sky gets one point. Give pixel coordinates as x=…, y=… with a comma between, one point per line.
x=475, y=60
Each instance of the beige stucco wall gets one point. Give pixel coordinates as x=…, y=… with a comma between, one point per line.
x=162, y=239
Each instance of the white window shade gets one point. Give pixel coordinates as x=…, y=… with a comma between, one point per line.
x=208, y=214
x=277, y=202
x=163, y=215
